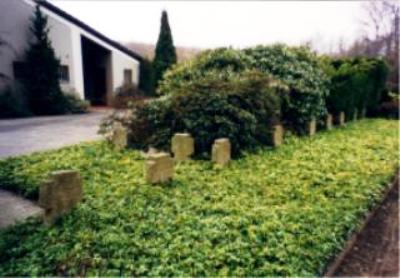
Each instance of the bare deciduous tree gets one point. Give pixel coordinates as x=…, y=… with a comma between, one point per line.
x=382, y=34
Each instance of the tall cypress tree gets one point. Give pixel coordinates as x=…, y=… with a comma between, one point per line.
x=40, y=79
x=165, y=54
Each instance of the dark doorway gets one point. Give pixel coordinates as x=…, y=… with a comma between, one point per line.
x=96, y=69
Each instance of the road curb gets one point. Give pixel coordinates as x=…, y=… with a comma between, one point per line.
x=338, y=260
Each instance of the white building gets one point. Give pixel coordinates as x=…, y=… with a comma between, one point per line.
x=92, y=65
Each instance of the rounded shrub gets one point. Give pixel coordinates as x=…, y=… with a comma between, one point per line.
x=241, y=107
x=300, y=70
x=221, y=61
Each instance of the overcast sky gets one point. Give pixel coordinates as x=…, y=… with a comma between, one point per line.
x=208, y=24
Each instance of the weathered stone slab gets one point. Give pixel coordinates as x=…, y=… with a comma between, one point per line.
x=182, y=146
x=221, y=151
x=120, y=137
x=159, y=168
x=328, y=122
x=277, y=135
x=340, y=118
x=59, y=194
x=311, y=127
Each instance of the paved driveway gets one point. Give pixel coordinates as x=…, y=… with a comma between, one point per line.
x=23, y=136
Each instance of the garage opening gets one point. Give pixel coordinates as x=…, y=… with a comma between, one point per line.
x=96, y=62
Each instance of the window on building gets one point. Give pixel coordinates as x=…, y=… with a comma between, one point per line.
x=127, y=77
x=19, y=70
x=64, y=73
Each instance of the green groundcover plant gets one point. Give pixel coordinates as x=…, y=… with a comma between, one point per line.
x=272, y=212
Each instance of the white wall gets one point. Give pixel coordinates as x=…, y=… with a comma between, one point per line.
x=66, y=39
x=119, y=60
x=14, y=29
x=119, y=64
x=61, y=36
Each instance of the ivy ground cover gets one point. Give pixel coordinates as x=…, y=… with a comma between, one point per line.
x=273, y=212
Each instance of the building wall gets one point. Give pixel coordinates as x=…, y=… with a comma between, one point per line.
x=66, y=39
x=119, y=64
x=14, y=29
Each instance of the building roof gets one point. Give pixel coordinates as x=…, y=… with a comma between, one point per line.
x=87, y=28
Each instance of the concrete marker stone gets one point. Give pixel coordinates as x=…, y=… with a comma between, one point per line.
x=221, y=151
x=328, y=122
x=277, y=135
x=311, y=127
x=182, y=146
x=340, y=119
x=159, y=168
x=59, y=193
x=120, y=137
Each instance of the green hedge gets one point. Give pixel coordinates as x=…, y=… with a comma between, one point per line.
x=197, y=95
x=355, y=83
x=282, y=212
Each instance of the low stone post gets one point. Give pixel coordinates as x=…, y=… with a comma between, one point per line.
x=340, y=119
x=120, y=137
x=221, y=151
x=59, y=193
x=328, y=122
x=159, y=168
x=277, y=135
x=182, y=146
x=355, y=114
x=311, y=127
x=363, y=113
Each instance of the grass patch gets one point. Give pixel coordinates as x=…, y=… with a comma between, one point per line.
x=273, y=212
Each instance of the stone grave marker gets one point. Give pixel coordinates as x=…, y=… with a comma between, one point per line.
x=59, y=193
x=340, y=119
x=311, y=127
x=221, y=151
x=363, y=113
x=159, y=168
x=277, y=135
x=182, y=146
x=120, y=137
x=355, y=114
x=328, y=122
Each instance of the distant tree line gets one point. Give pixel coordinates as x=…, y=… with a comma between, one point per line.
x=381, y=37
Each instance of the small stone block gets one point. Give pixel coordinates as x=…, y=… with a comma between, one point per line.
x=221, y=151
x=355, y=114
x=182, y=145
x=277, y=136
x=59, y=194
x=120, y=137
x=340, y=119
x=311, y=127
x=328, y=122
x=159, y=168
x=363, y=113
